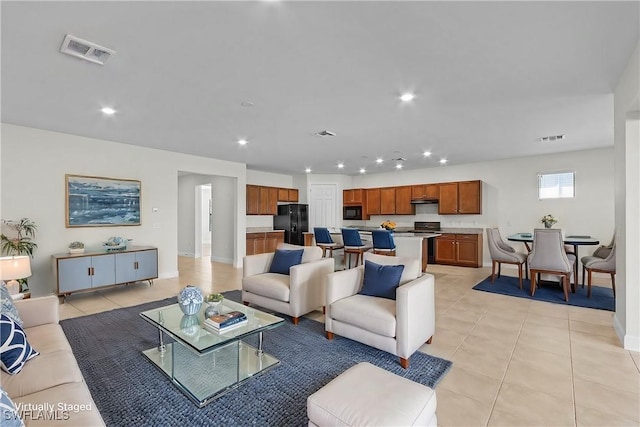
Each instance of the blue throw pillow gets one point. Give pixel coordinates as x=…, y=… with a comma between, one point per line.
x=8, y=307
x=14, y=349
x=381, y=280
x=284, y=259
x=8, y=411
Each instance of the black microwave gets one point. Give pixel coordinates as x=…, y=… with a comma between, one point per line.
x=352, y=212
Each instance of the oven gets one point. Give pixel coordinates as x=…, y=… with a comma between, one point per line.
x=428, y=227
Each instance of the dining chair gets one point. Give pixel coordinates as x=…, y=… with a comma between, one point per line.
x=594, y=264
x=324, y=241
x=353, y=245
x=548, y=256
x=383, y=243
x=501, y=252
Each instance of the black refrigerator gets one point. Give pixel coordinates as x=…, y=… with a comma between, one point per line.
x=294, y=220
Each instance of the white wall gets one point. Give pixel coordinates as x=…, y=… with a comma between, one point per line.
x=34, y=164
x=205, y=206
x=627, y=201
x=225, y=212
x=510, y=199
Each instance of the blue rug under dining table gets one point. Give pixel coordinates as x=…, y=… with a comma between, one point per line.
x=601, y=297
x=130, y=391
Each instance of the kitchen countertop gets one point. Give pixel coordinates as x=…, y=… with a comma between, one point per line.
x=262, y=230
x=462, y=230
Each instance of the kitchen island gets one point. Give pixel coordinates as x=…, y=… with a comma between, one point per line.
x=408, y=244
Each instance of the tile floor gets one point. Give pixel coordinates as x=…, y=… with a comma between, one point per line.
x=515, y=362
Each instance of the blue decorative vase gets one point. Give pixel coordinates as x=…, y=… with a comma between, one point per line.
x=190, y=300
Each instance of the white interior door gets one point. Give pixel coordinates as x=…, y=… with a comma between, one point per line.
x=323, y=206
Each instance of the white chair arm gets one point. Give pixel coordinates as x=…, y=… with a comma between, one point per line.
x=38, y=311
x=256, y=264
x=343, y=284
x=307, y=285
x=415, y=314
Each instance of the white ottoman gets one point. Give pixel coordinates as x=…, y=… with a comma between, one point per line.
x=365, y=395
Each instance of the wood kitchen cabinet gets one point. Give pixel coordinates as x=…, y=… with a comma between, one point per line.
x=373, y=201
x=388, y=201
x=459, y=249
x=268, y=201
x=287, y=195
x=353, y=196
x=463, y=197
x=264, y=241
x=403, y=201
x=253, y=200
x=425, y=192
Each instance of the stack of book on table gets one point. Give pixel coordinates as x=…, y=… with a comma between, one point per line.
x=225, y=322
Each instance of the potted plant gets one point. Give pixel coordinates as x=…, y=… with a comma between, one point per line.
x=548, y=221
x=76, y=248
x=20, y=242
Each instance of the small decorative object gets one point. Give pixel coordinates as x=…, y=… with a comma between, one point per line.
x=115, y=244
x=213, y=302
x=76, y=247
x=548, y=221
x=190, y=300
x=388, y=225
x=190, y=325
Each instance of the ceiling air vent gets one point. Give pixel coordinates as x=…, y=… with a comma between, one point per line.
x=552, y=138
x=325, y=133
x=84, y=49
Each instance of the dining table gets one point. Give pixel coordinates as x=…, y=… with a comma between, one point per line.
x=574, y=241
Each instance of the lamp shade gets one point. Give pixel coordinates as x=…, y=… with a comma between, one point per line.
x=14, y=267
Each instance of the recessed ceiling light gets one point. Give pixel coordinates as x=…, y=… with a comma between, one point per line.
x=340, y=165
x=246, y=104
x=242, y=141
x=399, y=166
x=308, y=170
x=427, y=153
x=406, y=97
x=363, y=170
x=379, y=160
x=443, y=161
x=108, y=111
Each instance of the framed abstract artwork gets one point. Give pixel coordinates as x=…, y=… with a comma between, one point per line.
x=93, y=201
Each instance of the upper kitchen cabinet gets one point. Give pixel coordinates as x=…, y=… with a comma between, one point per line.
x=253, y=200
x=354, y=196
x=425, y=192
x=288, y=195
x=388, y=201
x=461, y=198
x=373, y=201
x=403, y=201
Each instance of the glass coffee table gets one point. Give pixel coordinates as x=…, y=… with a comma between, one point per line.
x=202, y=364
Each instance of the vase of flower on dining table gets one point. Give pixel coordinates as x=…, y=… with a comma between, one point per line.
x=548, y=221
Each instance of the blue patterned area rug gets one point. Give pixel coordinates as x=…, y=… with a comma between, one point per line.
x=130, y=391
x=601, y=297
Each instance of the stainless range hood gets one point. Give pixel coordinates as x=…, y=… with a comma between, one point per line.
x=424, y=201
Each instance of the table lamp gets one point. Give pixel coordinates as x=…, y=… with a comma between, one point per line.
x=12, y=268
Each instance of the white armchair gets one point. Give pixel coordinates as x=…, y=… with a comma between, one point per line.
x=399, y=327
x=296, y=294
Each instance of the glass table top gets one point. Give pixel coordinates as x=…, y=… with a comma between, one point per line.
x=188, y=329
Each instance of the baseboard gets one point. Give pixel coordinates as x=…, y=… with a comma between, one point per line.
x=222, y=260
x=629, y=342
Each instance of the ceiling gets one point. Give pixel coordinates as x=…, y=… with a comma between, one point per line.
x=490, y=78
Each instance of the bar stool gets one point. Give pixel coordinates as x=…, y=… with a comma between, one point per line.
x=324, y=241
x=383, y=243
x=353, y=245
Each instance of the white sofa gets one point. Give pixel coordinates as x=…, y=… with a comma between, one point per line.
x=296, y=294
x=397, y=326
x=53, y=377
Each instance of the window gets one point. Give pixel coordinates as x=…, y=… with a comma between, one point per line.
x=556, y=185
